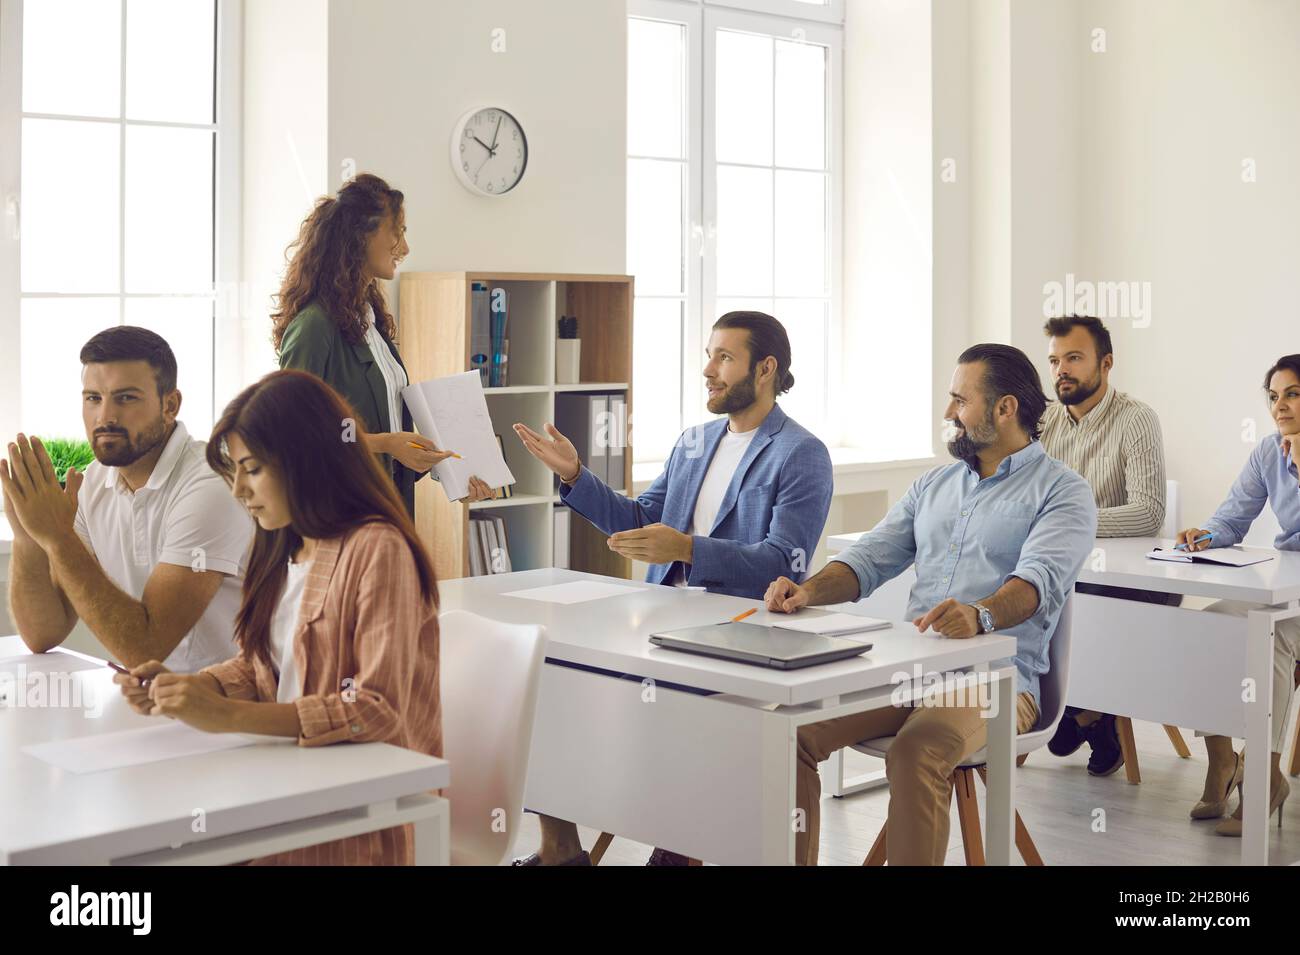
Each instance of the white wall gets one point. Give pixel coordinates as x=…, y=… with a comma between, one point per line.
x=401, y=72
x=1185, y=91
x=889, y=180
x=1046, y=45
x=1126, y=166
x=285, y=83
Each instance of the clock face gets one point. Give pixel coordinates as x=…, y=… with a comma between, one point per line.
x=489, y=151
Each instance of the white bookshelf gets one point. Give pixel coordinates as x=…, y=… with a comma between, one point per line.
x=434, y=328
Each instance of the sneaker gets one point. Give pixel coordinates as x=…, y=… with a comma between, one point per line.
x=581, y=858
x=1106, y=756
x=1069, y=736
x=664, y=857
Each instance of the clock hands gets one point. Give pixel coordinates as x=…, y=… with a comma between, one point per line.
x=495, y=134
x=491, y=150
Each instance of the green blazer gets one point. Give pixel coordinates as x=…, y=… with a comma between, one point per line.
x=312, y=342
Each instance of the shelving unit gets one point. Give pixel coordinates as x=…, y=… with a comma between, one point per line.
x=434, y=330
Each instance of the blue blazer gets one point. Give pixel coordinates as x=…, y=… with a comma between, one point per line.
x=771, y=517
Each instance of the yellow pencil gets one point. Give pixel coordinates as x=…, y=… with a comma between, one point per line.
x=741, y=616
x=420, y=447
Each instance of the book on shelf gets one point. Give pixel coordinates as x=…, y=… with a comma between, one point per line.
x=502, y=493
x=489, y=546
x=597, y=426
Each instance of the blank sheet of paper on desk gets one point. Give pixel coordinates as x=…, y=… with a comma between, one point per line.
x=151, y=744
x=574, y=592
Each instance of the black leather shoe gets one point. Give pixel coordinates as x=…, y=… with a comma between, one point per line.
x=581, y=858
x=1106, y=755
x=664, y=857
x=1069, y=736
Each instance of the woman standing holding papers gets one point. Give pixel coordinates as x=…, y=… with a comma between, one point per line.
x=332, y=321
x=338, y=625
x=1269, y=477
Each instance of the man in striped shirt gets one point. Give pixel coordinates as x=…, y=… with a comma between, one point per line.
x=1114, y=441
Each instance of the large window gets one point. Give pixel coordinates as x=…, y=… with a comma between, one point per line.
x=119, y=204
x=733, y=196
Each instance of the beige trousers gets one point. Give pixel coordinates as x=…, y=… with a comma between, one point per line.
x=931, y=741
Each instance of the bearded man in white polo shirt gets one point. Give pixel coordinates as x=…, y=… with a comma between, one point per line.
x=148, y=547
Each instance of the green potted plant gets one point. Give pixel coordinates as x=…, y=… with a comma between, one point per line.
x=66, y=453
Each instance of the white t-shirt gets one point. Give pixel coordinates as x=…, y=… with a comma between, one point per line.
x=283, y=624
x=184, y=515
x=717, y=479
x=394, y=377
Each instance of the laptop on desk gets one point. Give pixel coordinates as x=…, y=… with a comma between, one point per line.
x=772, y=647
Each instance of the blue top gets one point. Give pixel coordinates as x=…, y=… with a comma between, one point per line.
x=771, y=517
x=1269, y=477
x=1034, y=518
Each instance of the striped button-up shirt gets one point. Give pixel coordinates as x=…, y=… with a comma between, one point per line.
x=1118, y=449
x=1033, y=518
x=367, y=646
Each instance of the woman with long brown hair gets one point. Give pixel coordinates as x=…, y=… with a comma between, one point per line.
x=331, y=319
x=338, y=625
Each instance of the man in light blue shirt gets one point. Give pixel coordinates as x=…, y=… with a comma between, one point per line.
x=997, y=540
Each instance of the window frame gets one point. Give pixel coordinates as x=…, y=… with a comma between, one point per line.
x=831, y=12
x=227, y=333
x=689, y=14
x=833, y=39
x=777, y=18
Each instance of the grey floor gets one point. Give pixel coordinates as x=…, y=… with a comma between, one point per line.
x=1061, y=804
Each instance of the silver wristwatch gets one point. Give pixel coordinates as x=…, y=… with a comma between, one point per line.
x=986, y=618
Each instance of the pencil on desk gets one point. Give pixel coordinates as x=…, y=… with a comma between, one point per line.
x=741, y=616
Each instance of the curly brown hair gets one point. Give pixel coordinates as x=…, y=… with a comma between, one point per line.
x=329, y=258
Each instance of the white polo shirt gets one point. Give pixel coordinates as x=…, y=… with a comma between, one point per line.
x=184, y=515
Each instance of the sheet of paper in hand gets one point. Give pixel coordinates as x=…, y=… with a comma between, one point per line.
x=452, y=413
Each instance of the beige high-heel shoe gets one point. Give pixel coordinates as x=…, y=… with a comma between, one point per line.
x=1232, y=825
x=1213, y=810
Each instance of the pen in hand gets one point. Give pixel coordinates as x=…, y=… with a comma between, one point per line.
x=121, y=669
x=1197, y=541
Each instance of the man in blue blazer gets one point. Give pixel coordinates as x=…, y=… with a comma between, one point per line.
x=741, y=501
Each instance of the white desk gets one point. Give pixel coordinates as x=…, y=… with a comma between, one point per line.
x=1179, y=666
x=712, y=777
x=270, y=797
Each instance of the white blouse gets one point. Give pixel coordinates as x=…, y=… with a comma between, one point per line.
x=394, y=376
x=283, y=624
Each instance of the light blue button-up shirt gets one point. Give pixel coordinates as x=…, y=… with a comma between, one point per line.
x=1269, y=477
x=1033, y=518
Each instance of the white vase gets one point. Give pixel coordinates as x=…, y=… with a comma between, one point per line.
x=567, y=360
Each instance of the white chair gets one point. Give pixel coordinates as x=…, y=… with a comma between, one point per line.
x=1170, y=527
x=490, y=676
x=1051, y=690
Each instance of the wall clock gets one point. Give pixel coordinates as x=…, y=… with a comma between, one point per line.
x=489, y=151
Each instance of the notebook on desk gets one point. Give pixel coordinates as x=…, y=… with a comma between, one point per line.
x=832, y=624
x=774, y=647
x=1224, y=556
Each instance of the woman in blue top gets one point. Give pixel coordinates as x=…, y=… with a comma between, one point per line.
x=1269, y=477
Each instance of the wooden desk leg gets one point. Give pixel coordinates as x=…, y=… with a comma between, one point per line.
x=1180, y=744
x=1127, y=746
